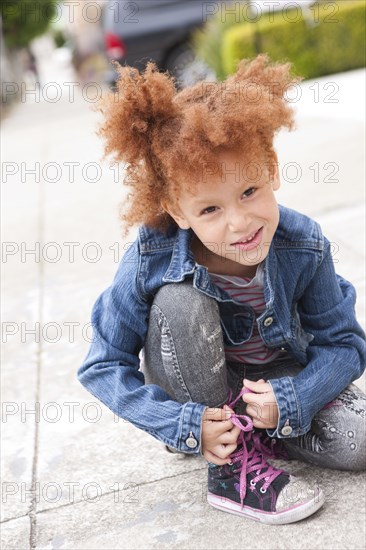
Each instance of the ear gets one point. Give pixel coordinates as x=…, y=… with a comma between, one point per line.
x=274, y=172
x=175, y=212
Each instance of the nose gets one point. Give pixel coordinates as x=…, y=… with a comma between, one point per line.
x=237, y=221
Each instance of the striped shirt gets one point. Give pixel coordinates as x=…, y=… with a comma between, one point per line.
x=247, y=291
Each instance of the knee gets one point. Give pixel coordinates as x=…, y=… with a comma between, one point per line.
x=347, y=448
x=356, y=449
x=342, y=430
x=183, y=311
x=186, y=301
x=353, y=427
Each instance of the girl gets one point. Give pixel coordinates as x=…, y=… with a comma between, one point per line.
x=225, y=294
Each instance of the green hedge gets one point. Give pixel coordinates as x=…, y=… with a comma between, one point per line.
x=23, y=20
x=336, y=43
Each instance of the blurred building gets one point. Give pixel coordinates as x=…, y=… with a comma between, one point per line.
x=83, y=29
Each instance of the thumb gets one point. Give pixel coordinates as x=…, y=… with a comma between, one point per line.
x=217, y=414
x=258, y=387
x=228, y=412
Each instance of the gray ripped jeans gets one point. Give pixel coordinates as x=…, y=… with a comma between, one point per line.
x=184, y=355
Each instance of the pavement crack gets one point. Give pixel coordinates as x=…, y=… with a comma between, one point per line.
x=107, y=493
x=38, y=364
x=13, y=519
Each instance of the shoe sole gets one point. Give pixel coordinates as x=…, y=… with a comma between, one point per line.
x=290, y=515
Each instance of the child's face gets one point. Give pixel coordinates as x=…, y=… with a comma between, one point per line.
x=226, y=211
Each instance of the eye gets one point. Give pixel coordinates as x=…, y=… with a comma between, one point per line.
x=249, y=192
x=208, y=210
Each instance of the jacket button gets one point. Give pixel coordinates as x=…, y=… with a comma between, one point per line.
x=286, y=430
x=191, y=441
x=268, y=321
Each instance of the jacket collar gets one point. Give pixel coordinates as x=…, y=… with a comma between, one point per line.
x=183, y=264
x=182, y=261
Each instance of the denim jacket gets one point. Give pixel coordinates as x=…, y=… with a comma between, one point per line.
x=309, y=312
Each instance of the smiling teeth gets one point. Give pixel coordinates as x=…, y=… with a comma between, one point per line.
x=249, y=238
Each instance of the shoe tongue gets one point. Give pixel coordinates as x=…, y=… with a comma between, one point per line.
x=250, y=445
x=256, y=457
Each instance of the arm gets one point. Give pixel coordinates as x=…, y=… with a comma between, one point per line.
x=336, y=355
x=110, y=370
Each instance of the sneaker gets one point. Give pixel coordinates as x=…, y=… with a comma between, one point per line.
x=252, y=488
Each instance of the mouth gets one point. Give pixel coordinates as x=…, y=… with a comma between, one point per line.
x=249, y=238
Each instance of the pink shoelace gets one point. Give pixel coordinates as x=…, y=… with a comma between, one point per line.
x=252, y=460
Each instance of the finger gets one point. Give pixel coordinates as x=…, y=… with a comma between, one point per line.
x=215, y=459
x=254, y=411
x=258, y=397
x=235, y=431
x=224, y=425
x=226, y=436
x=257, y=423
x=223, y=451
x=220, y=428
x=229, y=437
x=229, y=449
x=259, y=387
x=246, y=380
x=217, y=414
x=252, y=397
x=229, y=412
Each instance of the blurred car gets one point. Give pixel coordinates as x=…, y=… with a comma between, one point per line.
x=158, y=30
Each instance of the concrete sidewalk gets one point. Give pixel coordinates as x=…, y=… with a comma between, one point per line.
x=74, y=476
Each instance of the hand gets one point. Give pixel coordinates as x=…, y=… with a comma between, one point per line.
x=261, y=405
x=219, y=435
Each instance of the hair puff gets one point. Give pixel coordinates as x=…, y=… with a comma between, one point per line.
x=166, y=137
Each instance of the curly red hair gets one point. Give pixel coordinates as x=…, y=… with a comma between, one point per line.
x=166, y=137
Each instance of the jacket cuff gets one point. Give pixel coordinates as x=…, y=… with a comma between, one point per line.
x=289, y=421
x=191, y=426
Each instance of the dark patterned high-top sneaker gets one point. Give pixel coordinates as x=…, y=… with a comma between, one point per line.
x=252, y=488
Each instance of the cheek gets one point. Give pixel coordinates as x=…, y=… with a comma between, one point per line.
x=269, y=209
x=274, y=213
x=209, y=235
